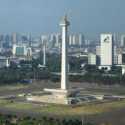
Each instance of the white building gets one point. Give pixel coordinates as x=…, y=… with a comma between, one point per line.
x=19, y=50
x=123, y=69
x=123, y=40
x=22, y=50
x=58, y=40
x=81, y=40
x=115, y=57
x=29, y=53
x=91, y=59
x=4, y=62
x=76, y=40
x=44, y=39
x=14, y=38
x=98, y=50
x=106, y=51
x=119, y=59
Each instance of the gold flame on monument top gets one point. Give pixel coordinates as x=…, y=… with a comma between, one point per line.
x=65, y=21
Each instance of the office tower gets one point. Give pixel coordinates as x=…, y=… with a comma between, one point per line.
x=6, y=41
x=29, y=53
x=81, y=40
x=123, y=40
x=4, y=62
x=119, y=59
x=76, y=40
x=98, y=50
x=19, y=50
x=14, y=38
x=1, y=41
x=92, y=59
x=98, y=54
x=58, y=40
x=29, y=40
x=107, y=51
x=45, y=39
x=70, y=40
x=52, y=41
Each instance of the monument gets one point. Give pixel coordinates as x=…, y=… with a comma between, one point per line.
x=64, y=62
x=62, y=94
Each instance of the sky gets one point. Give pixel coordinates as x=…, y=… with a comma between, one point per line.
x=90, y=17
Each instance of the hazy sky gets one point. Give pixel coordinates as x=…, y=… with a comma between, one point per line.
x=43, y=16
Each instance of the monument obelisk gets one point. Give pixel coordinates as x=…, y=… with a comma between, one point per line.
x=64, y=62
x=59, y=95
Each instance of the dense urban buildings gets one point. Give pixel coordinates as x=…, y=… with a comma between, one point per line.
x=102, y=52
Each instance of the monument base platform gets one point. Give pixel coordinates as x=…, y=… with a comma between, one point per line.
x=56, y=96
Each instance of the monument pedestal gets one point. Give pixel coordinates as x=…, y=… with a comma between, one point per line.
x=54, y=96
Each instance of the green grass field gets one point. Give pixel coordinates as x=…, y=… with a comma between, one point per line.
x=89, y=109
x=12, y=87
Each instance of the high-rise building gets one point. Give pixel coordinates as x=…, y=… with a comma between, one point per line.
x=52, y=40
x=92, y=59
x=115, y=59
x=76, y=40
x=70, y=40
x=107, y=50
x=123, y=40
x=98, y=54
x=119, y=59
x=7, y=41
x=4, y=62
x=123, y=58
x=19, y=50
x=22, y=51
x=14, y=38
x=58, y=40
x=98, y=50
x=1, y=42
x=29, y=53
x=45, y=40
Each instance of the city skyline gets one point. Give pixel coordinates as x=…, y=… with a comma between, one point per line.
x=88, y=17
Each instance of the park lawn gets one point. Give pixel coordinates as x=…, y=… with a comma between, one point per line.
x=84, y=109
x=19, y=106
x=12, y=87
x=89, y=109
x=119, y=91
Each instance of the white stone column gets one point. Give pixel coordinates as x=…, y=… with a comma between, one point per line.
x=64, y=62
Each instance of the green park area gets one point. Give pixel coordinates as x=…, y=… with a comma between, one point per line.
x=60, y=110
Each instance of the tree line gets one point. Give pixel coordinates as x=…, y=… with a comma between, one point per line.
x=14, y=120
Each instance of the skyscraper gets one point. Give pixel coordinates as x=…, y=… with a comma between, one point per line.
x=107, y=50
x=76, y=40
x=92, y=59
x=14, y=38
x=123, y=40
x=81, y=40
